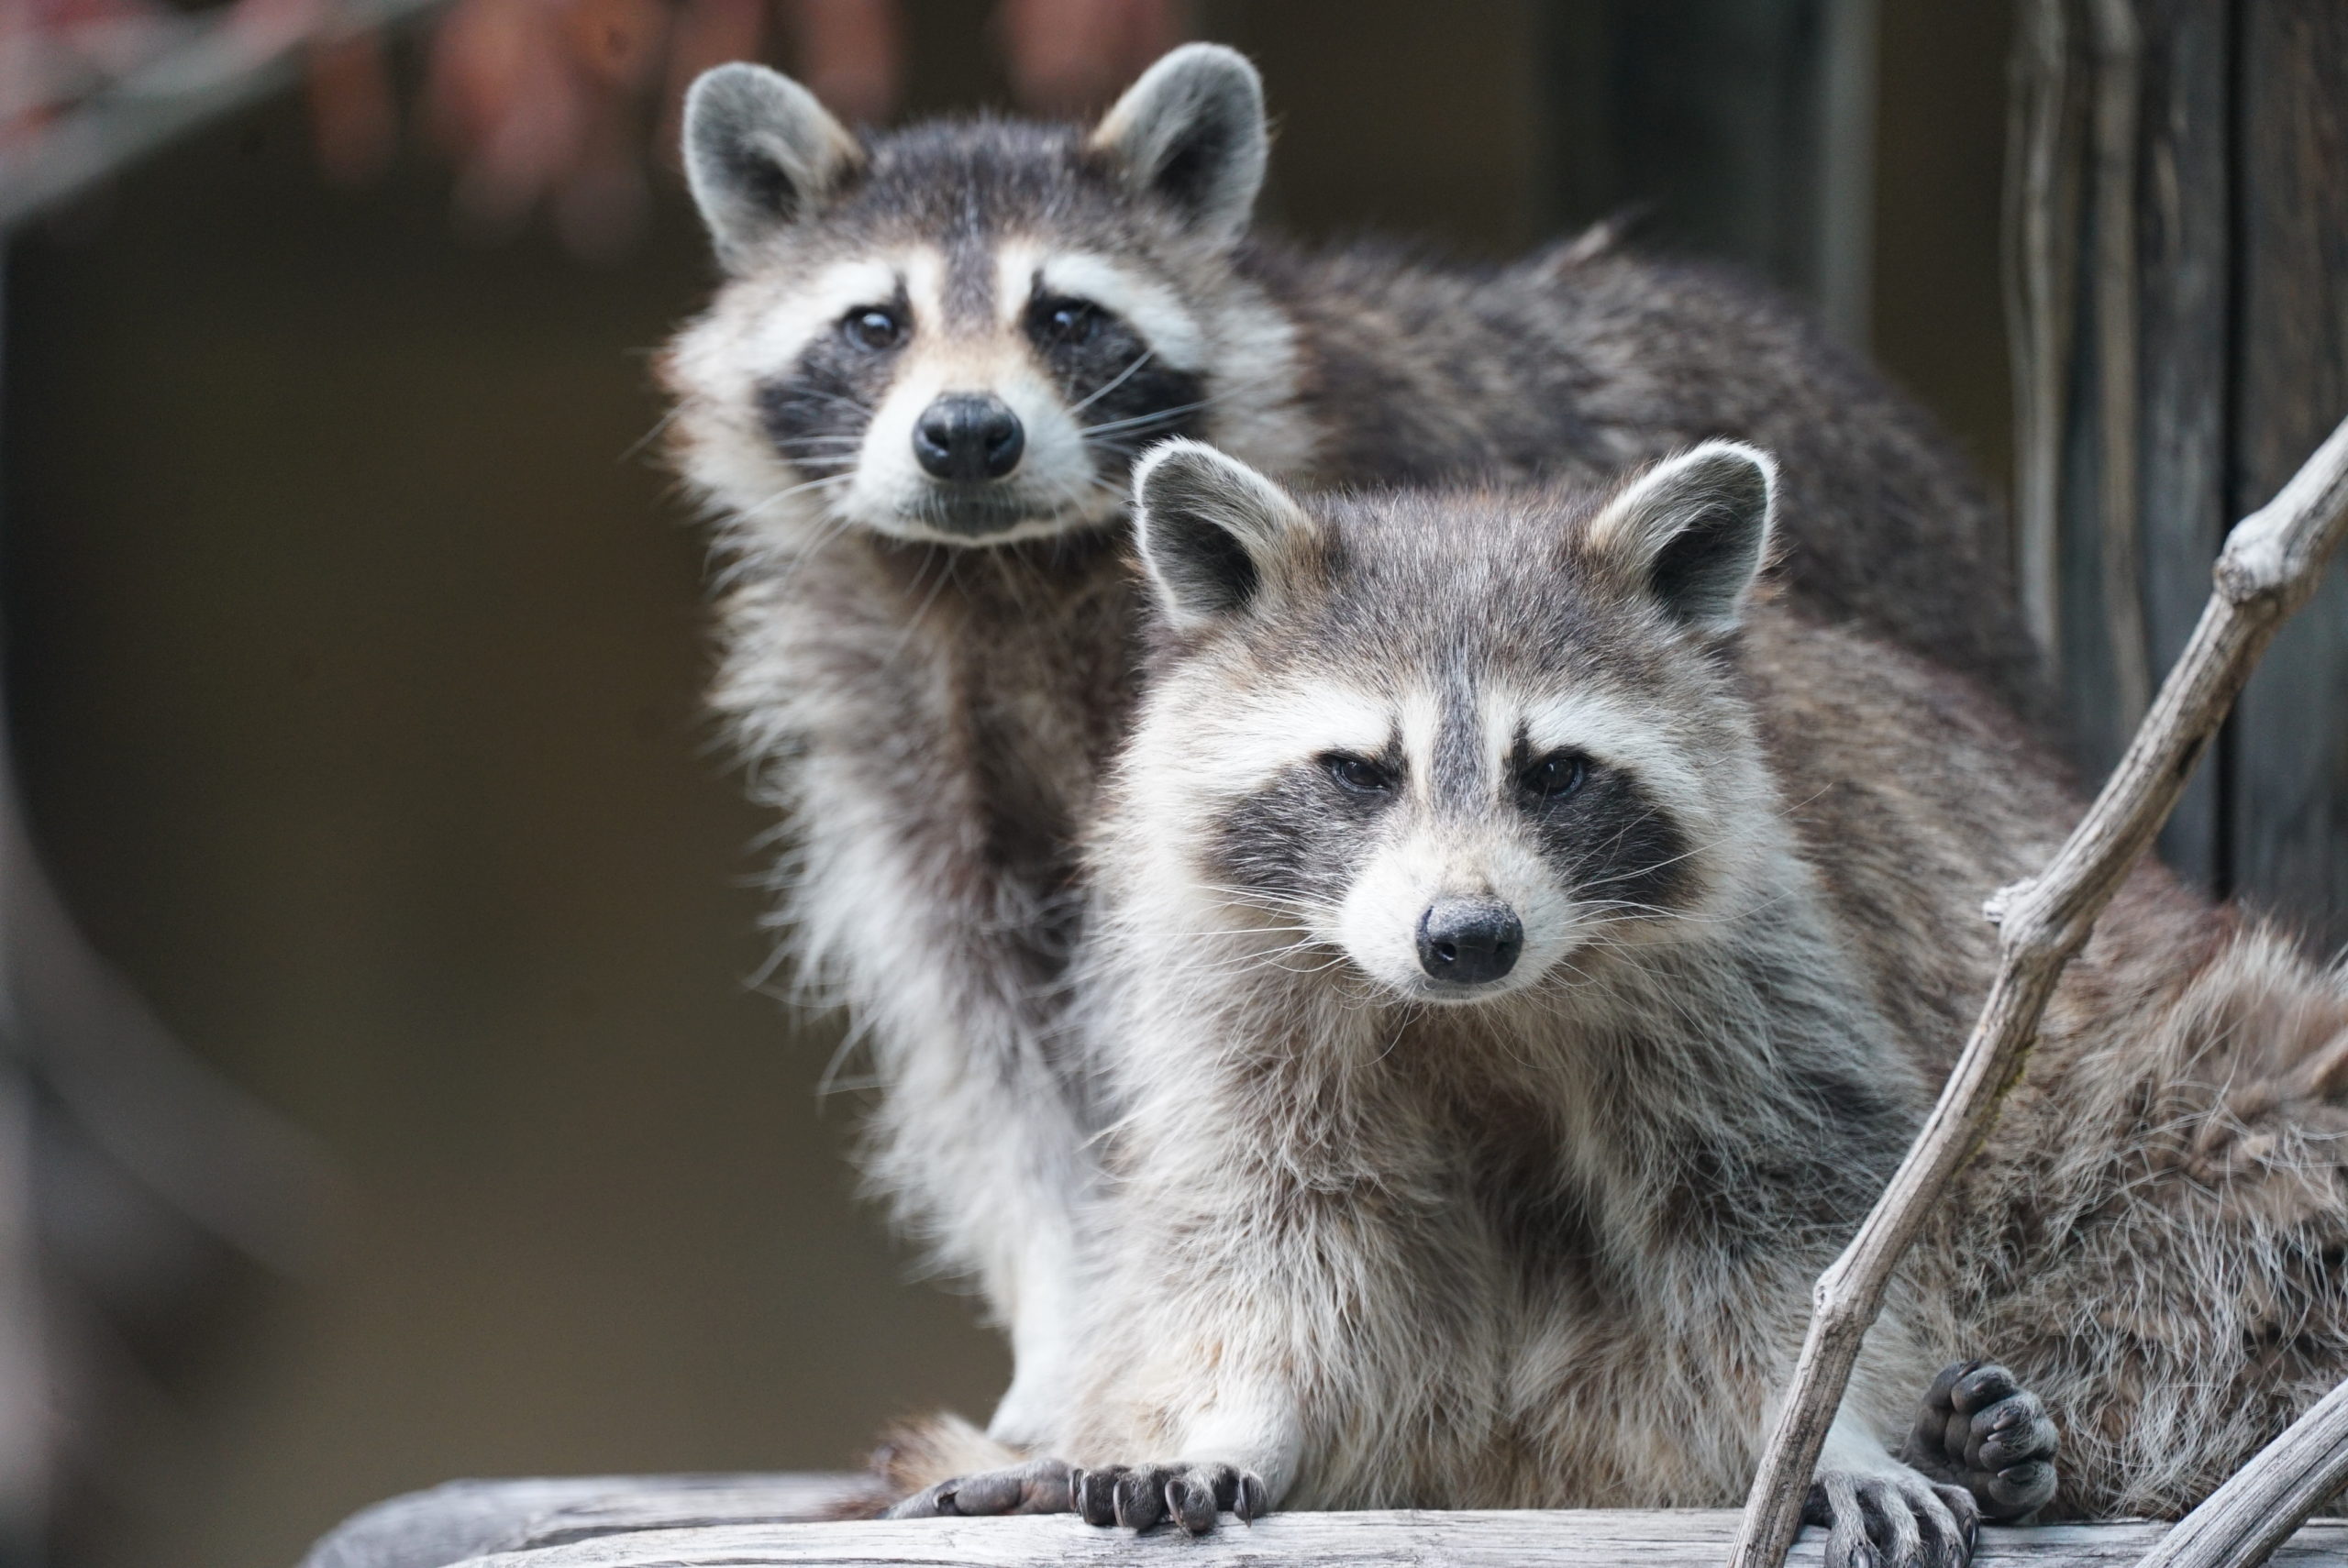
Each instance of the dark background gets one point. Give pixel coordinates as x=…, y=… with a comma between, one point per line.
x=353, y=652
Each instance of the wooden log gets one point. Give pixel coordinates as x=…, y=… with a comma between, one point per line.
x=1483, y=1539
x=2271, y=565
x=2241, y=1524
x=465, y=1519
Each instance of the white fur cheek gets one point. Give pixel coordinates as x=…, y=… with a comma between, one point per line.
x=723, y=452
x=1378, y=923
x=752, y=332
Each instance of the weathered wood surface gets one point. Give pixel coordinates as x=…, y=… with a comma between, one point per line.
x=1532, y=1538
x=702, y=1522
x=466, y=1519
x=2240, y=1524
x=2238, y=236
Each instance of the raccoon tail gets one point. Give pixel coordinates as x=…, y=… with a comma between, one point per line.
x=920, y=1452
x=1604, y=237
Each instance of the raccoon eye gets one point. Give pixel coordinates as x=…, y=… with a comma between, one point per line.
x=1358, y=774
x=872, y=329
x=1067, y=321
x=1557, y=774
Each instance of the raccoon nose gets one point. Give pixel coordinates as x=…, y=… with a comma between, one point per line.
x=1470, y=940
x=966, y=437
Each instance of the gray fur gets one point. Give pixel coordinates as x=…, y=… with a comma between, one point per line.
x=1552, y=1245
x=1207, y=529
x=1700, y=526
x=761, y=153
x=932, y=717
x=1191, y=132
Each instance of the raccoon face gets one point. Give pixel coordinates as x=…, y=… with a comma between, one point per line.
x=1473, y=743
x=965, y=333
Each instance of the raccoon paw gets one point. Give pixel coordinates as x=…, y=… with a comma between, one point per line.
x=1981, y=1430
x=1038, y=1486
x=1139, y=1495
x=1900, y=1520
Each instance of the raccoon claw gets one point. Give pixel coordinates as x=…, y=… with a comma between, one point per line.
x=1892, y=1521
x=1140, y=1497
x=1981, y=1430
x=1038, y=1486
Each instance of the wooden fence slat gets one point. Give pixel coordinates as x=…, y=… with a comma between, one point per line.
x=2183, y=229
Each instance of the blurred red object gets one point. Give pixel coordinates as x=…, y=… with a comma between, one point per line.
x=1070, y=57
x=551, y=104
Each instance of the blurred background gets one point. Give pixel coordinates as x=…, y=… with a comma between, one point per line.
x=387, y=1096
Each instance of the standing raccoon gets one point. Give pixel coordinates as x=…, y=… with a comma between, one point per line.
x=1520, y=959
x=912, y=408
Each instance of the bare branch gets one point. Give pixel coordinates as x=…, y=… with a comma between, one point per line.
x=2270, y=565
x=2242, y=1523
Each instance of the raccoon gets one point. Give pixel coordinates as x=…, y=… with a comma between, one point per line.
x=912, y=410
x=1525, y=947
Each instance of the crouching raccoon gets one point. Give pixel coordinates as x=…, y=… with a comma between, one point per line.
x=1525, y=947
x=913, y=407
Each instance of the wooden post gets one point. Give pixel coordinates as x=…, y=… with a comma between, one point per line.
x=2178, y=240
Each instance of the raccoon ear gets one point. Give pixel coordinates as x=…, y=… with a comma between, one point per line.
x=760, y=154
x=1695, y=530
x=1211, y=531
x=1191, y=132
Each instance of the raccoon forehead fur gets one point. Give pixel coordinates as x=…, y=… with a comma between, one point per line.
x=1448, y=644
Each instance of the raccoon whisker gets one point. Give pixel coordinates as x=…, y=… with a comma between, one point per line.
x=1132, y=421
x=788, y=490
x=1652, y=867
x=836, y=398
x=1304, y=911
x=834, y=531
x=921, y=612
x=659, y=427
x=829, y=1081
x=1108, y=387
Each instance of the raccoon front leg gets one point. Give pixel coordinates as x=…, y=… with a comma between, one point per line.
x=1881, y=1513
x=1191, y=1493
x=1037, y=1487
x=1233, y=1462
x=1980, y=1430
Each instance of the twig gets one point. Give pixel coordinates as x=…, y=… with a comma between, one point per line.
x=2268, y=568
x=2242, y=1523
